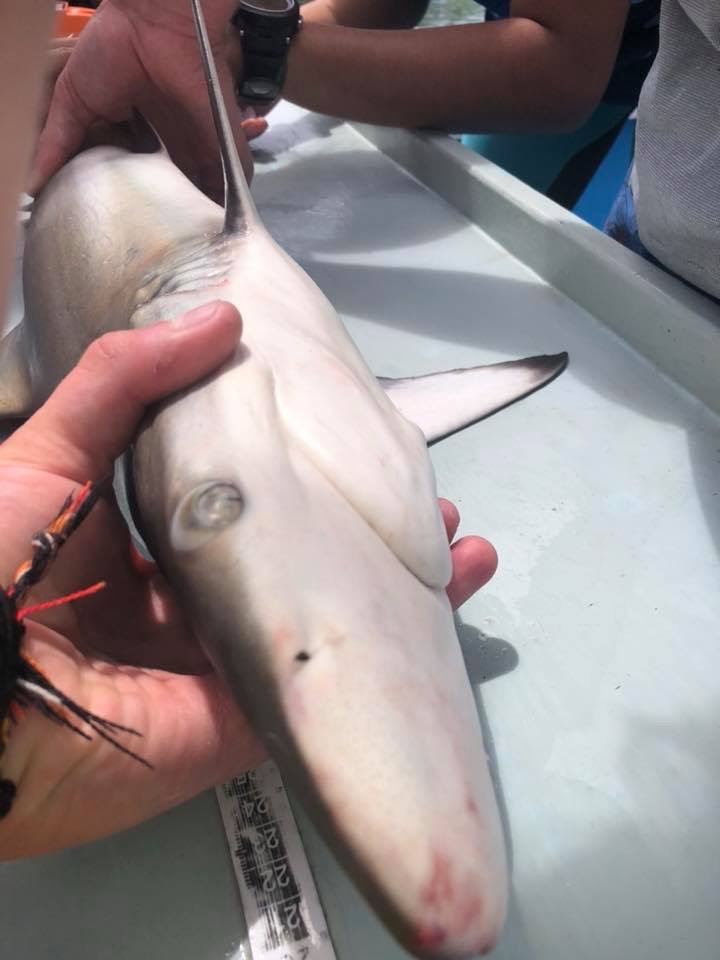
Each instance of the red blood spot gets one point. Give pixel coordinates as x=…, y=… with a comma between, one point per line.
x=459, y=908
x=470, y=805
x=430, y=937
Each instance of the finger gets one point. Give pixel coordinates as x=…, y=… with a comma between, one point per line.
x=451, y=518
x=93, y=414
x=254, y=127
x=474, y=562
x=58, y=56
x=63, y=133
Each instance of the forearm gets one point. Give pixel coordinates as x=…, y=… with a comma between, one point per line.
x=26, y=26
x=514, y=74
x=372, y=14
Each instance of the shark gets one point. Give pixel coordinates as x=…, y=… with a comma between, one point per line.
x=291, y=502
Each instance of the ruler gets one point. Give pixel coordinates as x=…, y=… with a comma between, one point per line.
x=284, y=917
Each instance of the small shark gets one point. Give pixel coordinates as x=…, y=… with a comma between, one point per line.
x=290, y=500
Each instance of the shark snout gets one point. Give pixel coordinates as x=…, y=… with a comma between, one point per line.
x=348, y=666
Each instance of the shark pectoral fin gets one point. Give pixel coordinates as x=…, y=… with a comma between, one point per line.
x=16, y=395
x=443, y=403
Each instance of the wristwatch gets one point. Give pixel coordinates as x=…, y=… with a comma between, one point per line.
x=266, y=28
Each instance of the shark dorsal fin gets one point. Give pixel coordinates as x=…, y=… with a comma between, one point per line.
x=443, y=403
x=239, y=205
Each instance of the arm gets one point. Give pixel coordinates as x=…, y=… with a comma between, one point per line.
x=372, y=14
x=24, y=38
x=545, y=68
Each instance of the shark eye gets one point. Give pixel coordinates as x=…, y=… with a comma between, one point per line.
x=204, y=512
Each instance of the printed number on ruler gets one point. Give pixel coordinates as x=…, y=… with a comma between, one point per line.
x=282, y=909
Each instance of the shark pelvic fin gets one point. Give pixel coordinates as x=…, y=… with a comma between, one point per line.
x=443, y=403
x=239, y=205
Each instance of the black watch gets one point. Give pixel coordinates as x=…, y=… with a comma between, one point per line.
x=266, y=28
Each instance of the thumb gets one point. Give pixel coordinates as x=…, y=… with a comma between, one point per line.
x=67, y=122
x=95, y=411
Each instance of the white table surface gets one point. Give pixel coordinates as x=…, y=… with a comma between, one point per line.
x=595, y=649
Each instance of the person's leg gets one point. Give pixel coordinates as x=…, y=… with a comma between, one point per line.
x=621, y=225
x=538, y=158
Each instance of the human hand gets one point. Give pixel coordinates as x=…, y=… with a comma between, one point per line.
x=474, y=560
x=143, y=55
x=68, y=790
x=125, y=653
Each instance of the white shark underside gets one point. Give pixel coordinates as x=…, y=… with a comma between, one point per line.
x=293, y=507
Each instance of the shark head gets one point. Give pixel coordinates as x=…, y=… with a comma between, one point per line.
x=302, y=533
x=348, y=667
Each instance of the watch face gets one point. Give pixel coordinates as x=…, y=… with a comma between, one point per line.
x=259, y=88
x=271, y=8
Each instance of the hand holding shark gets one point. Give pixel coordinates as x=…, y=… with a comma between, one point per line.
x=141, y=55
x=290, y=500
x=157, y=680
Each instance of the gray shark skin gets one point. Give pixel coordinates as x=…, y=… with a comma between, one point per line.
x=292, y=505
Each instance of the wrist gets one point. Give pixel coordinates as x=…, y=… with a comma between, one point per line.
x=264, y=31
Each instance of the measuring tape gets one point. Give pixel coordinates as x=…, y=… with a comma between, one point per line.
x=284, y=917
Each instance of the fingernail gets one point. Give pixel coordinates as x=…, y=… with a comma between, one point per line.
x=197, y=316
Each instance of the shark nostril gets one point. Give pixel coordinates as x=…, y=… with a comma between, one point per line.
x=214, y=506
x=205, y=512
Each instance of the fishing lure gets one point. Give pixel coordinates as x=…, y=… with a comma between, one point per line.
x=22, y=684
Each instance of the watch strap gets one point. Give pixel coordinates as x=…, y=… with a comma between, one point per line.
x=264, y=43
